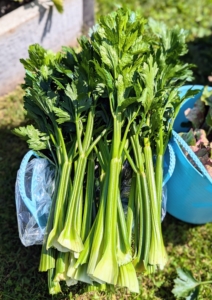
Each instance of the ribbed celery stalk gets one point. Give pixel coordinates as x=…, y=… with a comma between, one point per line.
x=54, y=286
x=69, y=236
x=88, y=201
x=131, y=209
x=108, y=261
x=79, y=273
x=159, y=170
x=141, y=259
x=157, y=252
x=64, y=173
x=124, y=252
x=99, y=228
x=137, y=261
x=91, y=242
x=61, y=266
x=128, y=278
x=79, y=216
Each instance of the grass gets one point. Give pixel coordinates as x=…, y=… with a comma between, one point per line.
x=187, y=245
x=193, y=16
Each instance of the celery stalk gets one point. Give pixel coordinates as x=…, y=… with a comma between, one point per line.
x=159, y=181
x=108, y=261
x=138, y=260
x=69, y=237
x=54, y=286
x=157, y=252
x=141, y=261
x=61, y=266
x=131, y=209
x=99, y=227
x=146, y=220
x=79, y=273
x=61, y=193
x=47, y=259
x=124, y=253
x=61, y=190
x=127, y=277
x=87, y=213
x=91, y=250
x=159, y=170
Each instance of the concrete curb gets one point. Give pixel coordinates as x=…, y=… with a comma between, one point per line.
x=33, y=23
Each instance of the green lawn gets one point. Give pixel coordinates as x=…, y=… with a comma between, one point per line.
x=187, y=245
x=192, y=15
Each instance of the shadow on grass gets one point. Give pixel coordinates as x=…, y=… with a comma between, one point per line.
x=19, y=276
x=18, y=272
x=200, y=54
x=175, y=231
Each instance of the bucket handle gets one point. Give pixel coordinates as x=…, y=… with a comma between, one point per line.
x=30, y=203
x=194, y=157
x=172, y=163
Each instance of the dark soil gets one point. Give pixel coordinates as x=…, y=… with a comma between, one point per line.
x=7, y=6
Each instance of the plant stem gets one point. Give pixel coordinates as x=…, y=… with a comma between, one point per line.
x=159, y=170
x=206, y=282
x=157, y=253
x=131, y=208
x=69, y=236
x=60, y=200
x=87, y=213
x=124, y=247
x=99, y=228
x=109, y=257
x=143, y=207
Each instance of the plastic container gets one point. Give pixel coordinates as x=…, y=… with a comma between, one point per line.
x=189, y=191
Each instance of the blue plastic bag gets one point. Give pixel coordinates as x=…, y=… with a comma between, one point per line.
x=33, y=196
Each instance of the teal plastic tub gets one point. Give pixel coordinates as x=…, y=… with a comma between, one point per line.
x=189, y=191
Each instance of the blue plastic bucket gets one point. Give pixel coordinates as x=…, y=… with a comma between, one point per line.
x=189, y=191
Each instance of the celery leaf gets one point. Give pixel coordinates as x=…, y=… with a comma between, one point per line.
x=186, y=285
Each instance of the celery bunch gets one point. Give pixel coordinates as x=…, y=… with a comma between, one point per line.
x=113, y=101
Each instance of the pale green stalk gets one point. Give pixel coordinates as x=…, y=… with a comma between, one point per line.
x=95, y=234
x=124, y=252
x=159, y=170
x=131, y=209
x=157, y=253
x=79, y=273
x=99, y=228
x=108, y=261
x=69, y=236
x=96, y=229
x=88, y=201
x=141, y=261
x=128, y=278
x=54, y=286
x=61, y=194
x=61, y=266
x=62, y=189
